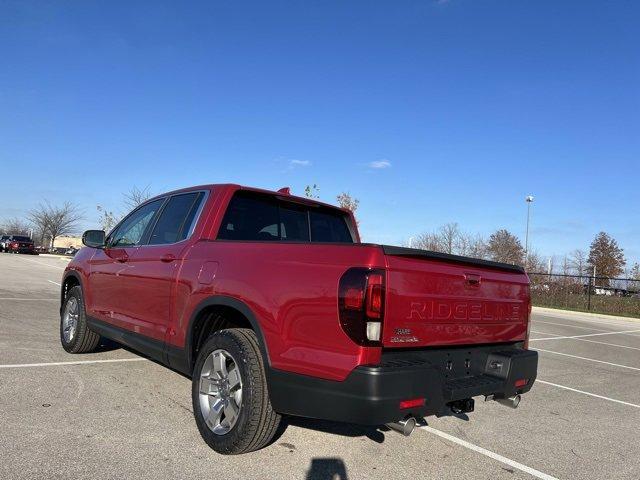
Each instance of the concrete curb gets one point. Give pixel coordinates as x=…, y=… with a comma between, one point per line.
x=570, y=313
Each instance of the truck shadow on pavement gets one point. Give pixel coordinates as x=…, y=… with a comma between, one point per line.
x=377, y=434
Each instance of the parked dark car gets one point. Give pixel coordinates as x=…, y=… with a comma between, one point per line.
x=3, y=239
x=19, y=244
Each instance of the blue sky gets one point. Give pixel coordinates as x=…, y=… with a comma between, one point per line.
x=427, y=111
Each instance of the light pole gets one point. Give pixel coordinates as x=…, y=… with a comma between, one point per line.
x=529, y=201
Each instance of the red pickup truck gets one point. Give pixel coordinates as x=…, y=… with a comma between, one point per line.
x=271, y=304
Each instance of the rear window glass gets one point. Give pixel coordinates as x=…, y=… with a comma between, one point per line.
x=329, y=227
x=265, y=218
x=19, y=238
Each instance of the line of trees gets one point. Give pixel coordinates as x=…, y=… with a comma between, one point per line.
x=47, y=222
x=605, y=257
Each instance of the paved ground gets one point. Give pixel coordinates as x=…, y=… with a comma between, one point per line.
x=132, y=419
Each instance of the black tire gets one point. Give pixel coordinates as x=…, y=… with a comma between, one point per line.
x=84, y=339
x=256, y=423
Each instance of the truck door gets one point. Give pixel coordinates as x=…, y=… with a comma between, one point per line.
x=157, y=262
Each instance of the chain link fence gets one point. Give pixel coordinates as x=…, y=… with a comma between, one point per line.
x=614, y=296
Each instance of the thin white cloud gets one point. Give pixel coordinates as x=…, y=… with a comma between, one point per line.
x=378, y=164
x=299, y=163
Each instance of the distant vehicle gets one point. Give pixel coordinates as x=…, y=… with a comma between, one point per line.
x=19, y=244
x=71, y=251
x=273, y=306
x=3, y=240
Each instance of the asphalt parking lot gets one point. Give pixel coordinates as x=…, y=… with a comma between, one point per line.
x=118, y=415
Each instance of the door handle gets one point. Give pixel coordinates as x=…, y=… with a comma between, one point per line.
x=168, y=258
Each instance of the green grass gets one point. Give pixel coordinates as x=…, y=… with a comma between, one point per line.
x=621, y=306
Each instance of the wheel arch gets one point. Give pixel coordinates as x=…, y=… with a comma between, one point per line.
x=230, y=304
x=70, y=280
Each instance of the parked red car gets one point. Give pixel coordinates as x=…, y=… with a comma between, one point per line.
x=19, y=244
x=273, y=306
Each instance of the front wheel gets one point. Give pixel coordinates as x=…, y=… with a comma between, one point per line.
x=75, y=335
x=231, y=403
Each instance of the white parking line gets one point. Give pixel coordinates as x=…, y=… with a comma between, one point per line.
x=560, y=337
x=30, y=299
x=588, y=393
x=589, y=359
x=489, y=453
x=572, y=326
x=579, y=338
x=609, y=332
x=42, y=263
x=596, y=320
x=55, y=283
x=78, y=362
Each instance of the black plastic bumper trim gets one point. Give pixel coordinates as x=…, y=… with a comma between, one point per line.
x=371, y=395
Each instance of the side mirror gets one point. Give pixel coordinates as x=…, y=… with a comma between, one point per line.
x=93, y=238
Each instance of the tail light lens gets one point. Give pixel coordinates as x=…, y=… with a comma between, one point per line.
x=361, y=296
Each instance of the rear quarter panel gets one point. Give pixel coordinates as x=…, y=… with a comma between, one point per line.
x=291, y=289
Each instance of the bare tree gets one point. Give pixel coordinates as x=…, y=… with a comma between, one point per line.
x=15, y=226
x=535, y=263
x=345, y=200
x=428, y=241
x=450, y=237
x=476, y=246
x=634, y=272
x=136, y=196
x=578, y=262
x=108, y=219
x=505, y=247
x=55, y=221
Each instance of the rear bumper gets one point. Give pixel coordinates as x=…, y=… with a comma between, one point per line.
x=371, y=395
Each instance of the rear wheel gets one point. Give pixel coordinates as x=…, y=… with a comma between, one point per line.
x=75, y=335
x=229, y=392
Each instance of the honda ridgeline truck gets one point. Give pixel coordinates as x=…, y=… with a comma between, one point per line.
x=271, y=304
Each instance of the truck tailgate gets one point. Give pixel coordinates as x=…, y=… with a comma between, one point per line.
x=438, y=299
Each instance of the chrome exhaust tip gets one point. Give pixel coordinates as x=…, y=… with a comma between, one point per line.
x=404, y=427
x=511, y=402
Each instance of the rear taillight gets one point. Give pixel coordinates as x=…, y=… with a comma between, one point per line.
x=14, y=245
x=361, y=305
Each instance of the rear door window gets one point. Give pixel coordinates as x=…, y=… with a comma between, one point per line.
x=250, y=218
x=176, y=219
x=265, y=218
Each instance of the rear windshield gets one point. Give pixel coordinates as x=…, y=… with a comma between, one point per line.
x=252, y=216
x=19, y=238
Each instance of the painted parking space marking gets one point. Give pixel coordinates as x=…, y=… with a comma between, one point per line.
x=489, y=453
x=581, y=339
x=587, y=393
x=588, y=359
x=55, y=283
x=42, y=263
x=588, y=328
x=30, y=299
x=77, y=362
